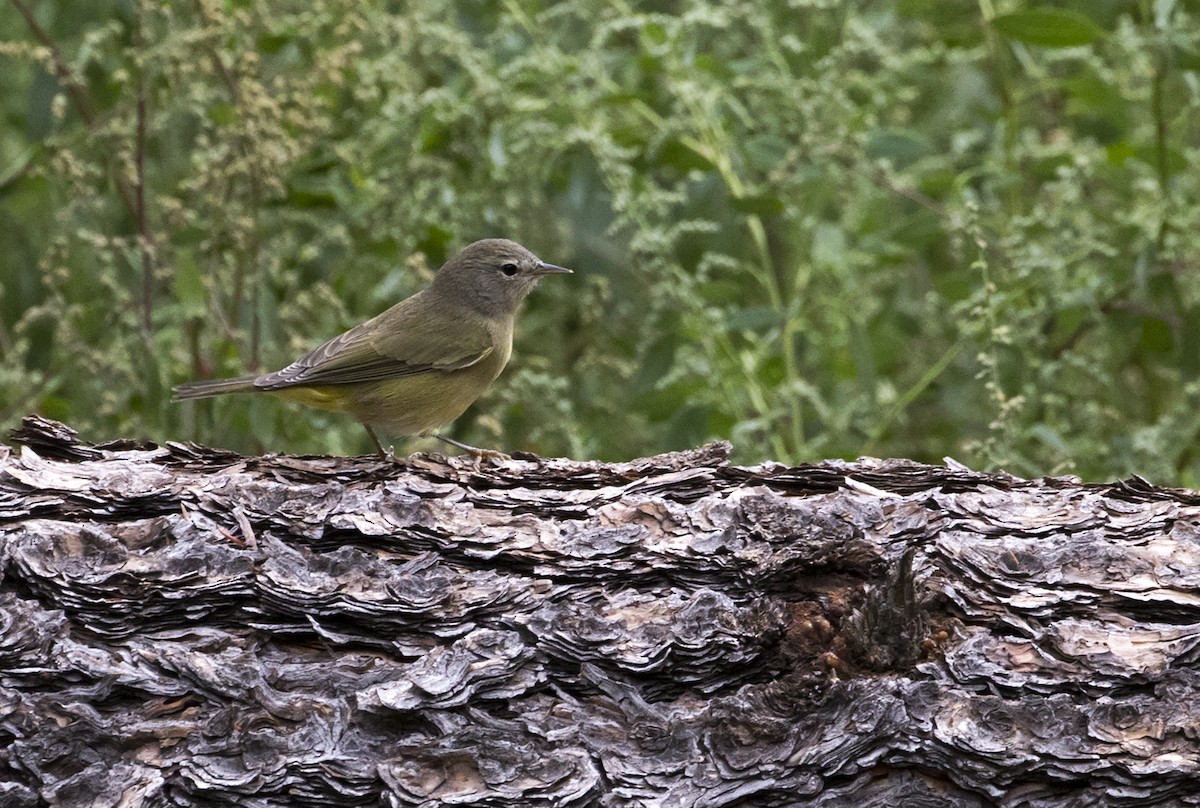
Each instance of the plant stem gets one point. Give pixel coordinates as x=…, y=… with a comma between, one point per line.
x=145, y=237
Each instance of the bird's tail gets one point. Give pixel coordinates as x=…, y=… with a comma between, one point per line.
x=215, y=387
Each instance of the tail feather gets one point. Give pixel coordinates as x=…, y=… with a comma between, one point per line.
x=215, y=387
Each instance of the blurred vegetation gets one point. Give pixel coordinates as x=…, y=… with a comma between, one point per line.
x=816, y=228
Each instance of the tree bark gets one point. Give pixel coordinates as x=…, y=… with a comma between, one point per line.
x=186, y=626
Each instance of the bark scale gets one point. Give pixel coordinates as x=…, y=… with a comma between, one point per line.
x=186, y=626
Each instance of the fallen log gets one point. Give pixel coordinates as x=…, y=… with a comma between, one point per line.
x=182, y=625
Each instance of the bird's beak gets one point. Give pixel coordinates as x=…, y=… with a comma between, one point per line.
x=550, y=269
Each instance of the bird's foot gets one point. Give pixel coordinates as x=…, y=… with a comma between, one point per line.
x=388, y=455
x=475, y=451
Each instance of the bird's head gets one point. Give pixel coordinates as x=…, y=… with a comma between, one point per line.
x=492, y=276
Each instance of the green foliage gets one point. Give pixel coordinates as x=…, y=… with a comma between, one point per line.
x=814, y=228
x=1050, y=27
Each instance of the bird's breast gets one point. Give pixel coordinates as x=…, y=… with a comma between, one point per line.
x=424, y=402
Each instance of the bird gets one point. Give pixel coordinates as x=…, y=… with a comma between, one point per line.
x=416, y=367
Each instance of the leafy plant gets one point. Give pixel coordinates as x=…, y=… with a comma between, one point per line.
x=815, y=229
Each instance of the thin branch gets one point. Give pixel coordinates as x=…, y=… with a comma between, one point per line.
x=6, y=341
x=74, y=87
x=249, y=257
x=884, y=181
x=131, y=197
x=75, y=90
x=145, y=235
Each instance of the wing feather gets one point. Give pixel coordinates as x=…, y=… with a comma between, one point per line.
x=408, y=339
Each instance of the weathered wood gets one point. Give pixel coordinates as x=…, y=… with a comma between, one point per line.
x=185, y=626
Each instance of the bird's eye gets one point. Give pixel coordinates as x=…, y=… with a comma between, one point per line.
x=509, y=269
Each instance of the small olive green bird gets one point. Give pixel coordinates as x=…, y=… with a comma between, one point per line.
x=417, y=366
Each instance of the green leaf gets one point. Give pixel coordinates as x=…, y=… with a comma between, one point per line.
x=189, y=284
x=707, y=63
x=1156, y=335
x=1048, y=27
x=901, y=146
x=1163, y=9
x=1049, y=436
x=273, y=42
x=689, y=425
x=656, y=362
x=655, y=33
x=664, y=403
x=387, y=248
x=433, y=135
x=312, y=192
x=829, y=246
x=223, y=114
x=682, y=157
x=13, y=171
x=757, y=204
x=1119, y=152
x=188, y=236
x=434, y=244
x=56, y=407
x=756, y=318
x=1190, y=337
x=1176, y=161
x=1185, y=56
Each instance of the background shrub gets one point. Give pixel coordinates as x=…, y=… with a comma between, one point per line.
x=814, y=228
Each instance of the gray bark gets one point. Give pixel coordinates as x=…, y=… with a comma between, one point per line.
x=187, y=626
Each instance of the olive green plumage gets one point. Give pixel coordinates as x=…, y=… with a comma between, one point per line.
x=417, y=366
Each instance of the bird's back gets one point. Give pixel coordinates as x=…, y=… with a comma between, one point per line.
x=411, y=369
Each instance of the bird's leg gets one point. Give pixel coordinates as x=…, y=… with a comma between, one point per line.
x=474, y=451
x=383, y=453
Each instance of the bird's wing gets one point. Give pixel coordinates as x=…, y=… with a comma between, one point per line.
x=403, y=341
